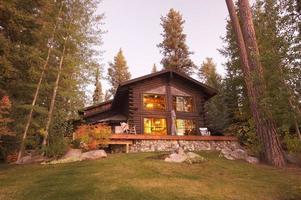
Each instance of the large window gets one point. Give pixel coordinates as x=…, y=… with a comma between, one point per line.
x=154, y=102
x=185, y=127
x=182, y=104
x=155, y=126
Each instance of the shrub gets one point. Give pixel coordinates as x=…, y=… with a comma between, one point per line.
x=293, y=144
x=246, y=134
x=91, y=136
x=57, y=142
x=76, y=144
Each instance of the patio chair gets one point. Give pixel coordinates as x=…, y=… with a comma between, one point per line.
x=204, y=131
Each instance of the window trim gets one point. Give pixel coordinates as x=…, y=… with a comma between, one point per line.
x=192, y=104
x=193, y=120
x=155, y=117
x=165, y=101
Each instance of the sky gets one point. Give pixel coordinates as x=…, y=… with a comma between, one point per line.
x=134, y=26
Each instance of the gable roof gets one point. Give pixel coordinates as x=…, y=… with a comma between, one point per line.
x=207, y=89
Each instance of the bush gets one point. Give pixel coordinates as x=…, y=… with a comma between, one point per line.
x=246, y=134
x=57, y=142
x=56, y=148
x=93, y=136
x=293, y=144
x=76, y=144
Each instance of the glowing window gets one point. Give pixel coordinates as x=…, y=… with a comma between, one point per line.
x=155, y=126
x=154, y=102
x=182, y=104
x=185, y=127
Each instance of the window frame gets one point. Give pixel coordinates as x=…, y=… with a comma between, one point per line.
x=194, y=121
x=183, y=111
x=157, y=110
x=155, y=117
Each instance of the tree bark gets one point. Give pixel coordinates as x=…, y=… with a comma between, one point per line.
x=253, y=75
x=55, y=89
x=29, y=118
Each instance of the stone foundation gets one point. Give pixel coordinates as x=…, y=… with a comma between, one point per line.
x=170, y=145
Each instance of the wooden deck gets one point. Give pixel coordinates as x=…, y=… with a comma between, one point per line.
x=171, y=137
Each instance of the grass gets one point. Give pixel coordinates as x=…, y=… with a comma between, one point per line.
x=141, y=176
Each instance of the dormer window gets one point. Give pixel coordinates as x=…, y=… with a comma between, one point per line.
x=154, y=102
x=182, y=103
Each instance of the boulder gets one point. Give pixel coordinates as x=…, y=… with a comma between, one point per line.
x=175, y=157
x=228, y=157
x=93, y=155
x=226, y=151
x=73, y=153
x=194, y=158
x=25, y=160
x=193, y=155
x=180, y=151
x=239, y=154
x=252, y=160
x=31, y=159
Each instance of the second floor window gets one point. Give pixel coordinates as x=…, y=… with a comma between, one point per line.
x=182, y=104
x=154, y=102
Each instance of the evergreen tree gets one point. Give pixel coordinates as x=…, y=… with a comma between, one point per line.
x=25, y=39
x=98, y=94
x=5, y=108
x=117, y=72
x=216, y=113
x=154, y=69
x=173, y=47
x=107, y=95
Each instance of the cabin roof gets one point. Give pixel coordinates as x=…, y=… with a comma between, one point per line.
x=209, y=91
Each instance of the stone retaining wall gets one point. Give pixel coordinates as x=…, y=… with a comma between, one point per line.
x=170, y=145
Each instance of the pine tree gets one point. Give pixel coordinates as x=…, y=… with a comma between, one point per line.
x=98, y=94
x=5, y=108
x=117, y=72
x=107, y=95
x=77, y=60
x=254, y=79
x=173, y=47
x=216, y=113
x=154, y=69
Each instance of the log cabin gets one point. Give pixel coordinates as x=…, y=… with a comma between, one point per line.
x=159, y=104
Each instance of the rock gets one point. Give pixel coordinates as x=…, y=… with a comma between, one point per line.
x=228, y=157
x=239, y=154
x=193, y=158
x=25, y=160
x=73, y=153
x=226, y=151
x=174, y=157
x=252, y=160
x=193, y=155
x=31, y=159
x=93, y=155
x=180, y=151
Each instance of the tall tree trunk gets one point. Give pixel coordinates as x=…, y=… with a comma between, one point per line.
x=297, y=128
x=55, y=89
x=29, y=118
x=253, y=75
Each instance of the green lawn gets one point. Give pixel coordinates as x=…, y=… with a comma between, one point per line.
x=142, y=176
